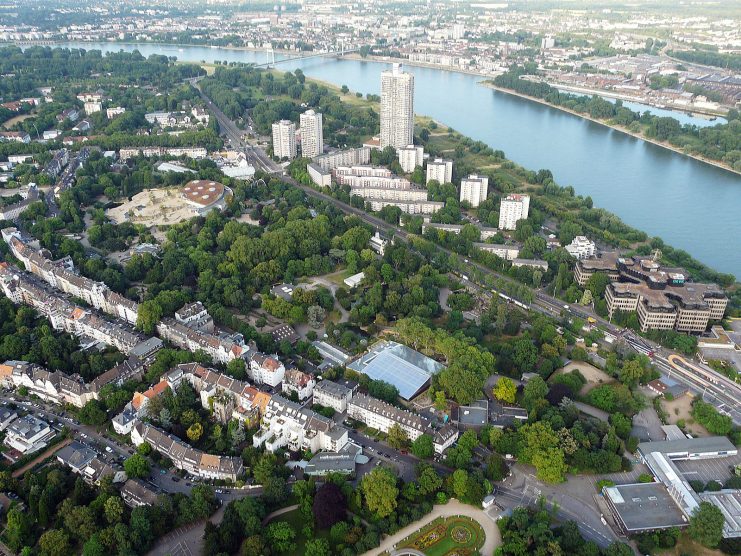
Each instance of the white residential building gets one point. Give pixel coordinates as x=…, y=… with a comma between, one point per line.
x=506, y=252
x=312, y=136
x=474, y=189
x=299, y=382
x=264, y=369
x=93, y=107
x=581, y=248
x=514, y=207
x=115, y=111
x=410, y=157
x=397, y=108
x=28, y=434
x=382, y=416
x=284, y=139
x=332, y=394
x=347, y=157
x=440, y=169
x=289, y=425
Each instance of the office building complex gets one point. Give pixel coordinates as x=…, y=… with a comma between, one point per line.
x=312, y=137
x=514, y=207
x=410, y=157
x=506, y=252
x=474, y=189
x=284, y=139
x=440, y=169
x=397, y=108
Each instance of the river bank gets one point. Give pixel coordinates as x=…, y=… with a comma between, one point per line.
x=621, y=129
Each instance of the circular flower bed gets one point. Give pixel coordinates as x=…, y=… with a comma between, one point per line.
x=461, y=534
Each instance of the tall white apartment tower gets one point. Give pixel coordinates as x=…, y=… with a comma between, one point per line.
x=514, y=207
x=397, y=108
x=312, y=137
x=284, y=139
x=440, y=169
x=474, y=189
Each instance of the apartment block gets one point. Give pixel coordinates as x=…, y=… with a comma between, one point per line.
x=332, y=394
x=312, y=136
x=284, y=139
x=513, y=208
x=440, y=169
x=289, y=425
x=409, y=207
x=299, y=382
x=581, y=248
x=382, y=416
x=265, y=369
x=410, y=157
x=475, y=189
x=397, y=108
x=506, y=252
x=347, y=157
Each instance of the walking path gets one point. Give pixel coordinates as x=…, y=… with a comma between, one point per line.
x=452, y=508
x=41, y=457
x=271, y=516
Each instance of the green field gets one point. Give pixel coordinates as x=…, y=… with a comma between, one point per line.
x=457, y=535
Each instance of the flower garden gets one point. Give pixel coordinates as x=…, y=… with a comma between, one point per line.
x=451, y=536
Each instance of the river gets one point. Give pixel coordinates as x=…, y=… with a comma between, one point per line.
x=691, y=205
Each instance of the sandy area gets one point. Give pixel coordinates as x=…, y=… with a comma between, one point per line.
x=594, y=376
x=680, y=409
x=153, y=207
x=15, y=119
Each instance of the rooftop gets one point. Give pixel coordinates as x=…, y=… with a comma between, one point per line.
x=203, y=193
x=645, y=506
x=685, y=447
x=397, y=364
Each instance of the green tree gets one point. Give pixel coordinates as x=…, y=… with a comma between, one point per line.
x=505, y=390
x=397, y=437
x=55, y=542
x=460, y=483
x=194, y=432
x=706, y=525
x=148, y=316
x=423, y=446
x=137, y=466
x=380, y=492
x=114, y=509
x=631, y=373
x=317, y=547
x=280, y=536
x=534, y=393
x=428, y=480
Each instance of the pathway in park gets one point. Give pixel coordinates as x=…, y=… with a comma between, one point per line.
x=453, y=507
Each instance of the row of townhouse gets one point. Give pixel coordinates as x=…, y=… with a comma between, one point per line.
x=22, y=288
x=60, y=275
x=126, y=153
x=84, y=461
x=29, y=195
x=189, y=459
x=289, y=425
x=60, y=388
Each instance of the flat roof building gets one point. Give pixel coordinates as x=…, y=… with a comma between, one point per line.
x=643, y=507
x=706, y=447
x=397, y=364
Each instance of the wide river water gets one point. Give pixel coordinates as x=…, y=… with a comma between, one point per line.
x=691, y=205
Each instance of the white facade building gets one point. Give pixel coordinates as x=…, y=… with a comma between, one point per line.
x=382, y=416
x=288, y=425
x=474, y=189
x=581, y=248
x=410, y=157
x=28, y=434
x=284, y=139
x=264, y=369
x=332, y=394
x=514, y=207
x=397, y=108
x=312, y=136
x=440, y=169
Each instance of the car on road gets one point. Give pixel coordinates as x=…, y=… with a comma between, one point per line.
x=175, y=480
x=163, y=471
x=108, y=449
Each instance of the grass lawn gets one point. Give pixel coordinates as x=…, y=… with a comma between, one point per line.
x=459, y=534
